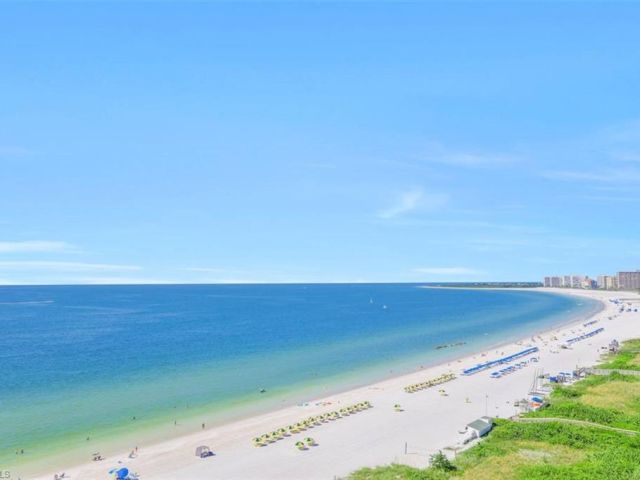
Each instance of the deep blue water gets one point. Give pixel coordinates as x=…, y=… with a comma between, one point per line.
x=80, y=360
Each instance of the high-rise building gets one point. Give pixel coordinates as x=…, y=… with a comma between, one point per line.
x=576, y=281
x=566, y=281
x=547, y=281
x=607, y=282
x=629, y=280
x=556, y=281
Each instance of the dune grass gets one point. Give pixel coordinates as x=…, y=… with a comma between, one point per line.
x=611, y=400
x=628, y=358
x=617, y=395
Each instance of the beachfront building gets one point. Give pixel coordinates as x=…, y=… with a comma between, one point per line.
x=481, y=426
x=577, y=281
x=588, y=283
x=629, y=280
x=607, y=282
x=569, y=281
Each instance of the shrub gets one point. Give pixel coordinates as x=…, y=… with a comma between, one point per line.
x=440, y=461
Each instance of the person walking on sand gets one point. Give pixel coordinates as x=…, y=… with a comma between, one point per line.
x=203, y=426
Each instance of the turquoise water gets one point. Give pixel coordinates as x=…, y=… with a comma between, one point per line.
x=84, y=361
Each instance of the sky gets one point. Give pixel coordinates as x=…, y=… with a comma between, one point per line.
x=317, y=142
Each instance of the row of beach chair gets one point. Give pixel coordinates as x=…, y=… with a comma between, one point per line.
x=446, y=377
x=308, y=423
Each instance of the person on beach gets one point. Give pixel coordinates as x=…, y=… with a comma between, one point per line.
x=203, y=426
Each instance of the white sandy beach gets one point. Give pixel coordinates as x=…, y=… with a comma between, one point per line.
x=376, y=436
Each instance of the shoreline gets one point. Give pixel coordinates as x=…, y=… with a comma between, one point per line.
x=149, y=457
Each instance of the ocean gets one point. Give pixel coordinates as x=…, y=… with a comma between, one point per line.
x=88, y=368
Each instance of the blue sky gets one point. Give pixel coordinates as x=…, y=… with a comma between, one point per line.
x=317, y=142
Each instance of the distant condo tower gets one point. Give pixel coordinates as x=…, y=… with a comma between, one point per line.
x=629, y=280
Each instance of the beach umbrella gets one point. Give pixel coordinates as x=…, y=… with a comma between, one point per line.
x=119, y=473
x=257, y=441
x=310, y=441
x=300, y=445
x=397, y=407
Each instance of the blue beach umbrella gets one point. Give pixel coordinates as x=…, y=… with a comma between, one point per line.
x=119, y=474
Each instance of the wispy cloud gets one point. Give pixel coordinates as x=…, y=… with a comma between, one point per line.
x=611, y=199
x=437, y=153
x=605, y=176
x=449, y=271
x=622, y=133
x=473, y=159
x=64, y=266
x=321, y=165
x=209, y=270
x=122, y=281
x=37, y=246
x=625, y=156
x=414, y=199
x=7, y=151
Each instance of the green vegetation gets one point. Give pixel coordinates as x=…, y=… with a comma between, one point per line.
x=612, y=400
x=553, y=450
x=628, y=358
x=439, y=461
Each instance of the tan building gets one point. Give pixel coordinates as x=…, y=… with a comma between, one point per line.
x=607, y=282
x=629, y=280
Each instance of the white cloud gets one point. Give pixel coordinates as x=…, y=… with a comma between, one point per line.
x=208, y=270
x=622, y=133
x=625, y=156
x=36, y=246
x=64, y=266
x=611, y=199
x=122, y=281
x=437, y=153
x=413, y=200
x=452, y=271
x=13, y=151
x=605, y=176
x=462, y=159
